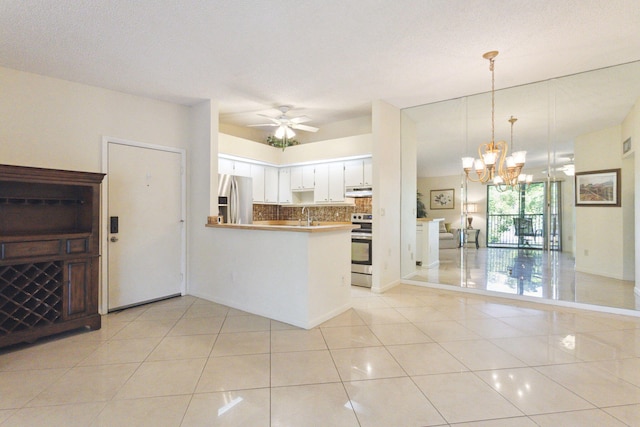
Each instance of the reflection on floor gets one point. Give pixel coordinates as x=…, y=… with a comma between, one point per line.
x=533, y=273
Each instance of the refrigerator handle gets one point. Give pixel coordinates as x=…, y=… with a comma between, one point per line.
x=233, y=202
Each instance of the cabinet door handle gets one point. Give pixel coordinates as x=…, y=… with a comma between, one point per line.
x=113, y=239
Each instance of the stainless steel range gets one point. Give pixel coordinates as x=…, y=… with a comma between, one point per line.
x=361, y=256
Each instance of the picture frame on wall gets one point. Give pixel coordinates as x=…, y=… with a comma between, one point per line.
x=443, y=199
x=598, y=188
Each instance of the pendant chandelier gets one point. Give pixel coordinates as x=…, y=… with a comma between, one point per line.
x=522, y=181
x=493, y=164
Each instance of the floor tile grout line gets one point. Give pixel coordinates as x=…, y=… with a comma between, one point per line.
x=344, y=387
x=604, y=408
x=150, y=352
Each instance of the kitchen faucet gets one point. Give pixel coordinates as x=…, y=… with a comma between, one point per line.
x=308, y=215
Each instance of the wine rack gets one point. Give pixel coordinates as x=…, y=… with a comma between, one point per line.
x=49, y=246
x=30, y=296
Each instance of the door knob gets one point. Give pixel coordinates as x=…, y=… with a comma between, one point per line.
x=113, y=239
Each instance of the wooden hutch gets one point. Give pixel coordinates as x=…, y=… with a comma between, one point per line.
x=49, y=252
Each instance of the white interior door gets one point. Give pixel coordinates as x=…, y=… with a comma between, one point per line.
x=145, y=255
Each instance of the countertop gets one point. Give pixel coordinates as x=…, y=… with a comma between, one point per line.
x=318, y=227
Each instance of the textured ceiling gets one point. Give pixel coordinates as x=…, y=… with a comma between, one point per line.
x=326, y=58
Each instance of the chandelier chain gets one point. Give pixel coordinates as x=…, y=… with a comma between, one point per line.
x=493, y=100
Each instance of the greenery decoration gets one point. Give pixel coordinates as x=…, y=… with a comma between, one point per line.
x=281, y=142
x=421, y=210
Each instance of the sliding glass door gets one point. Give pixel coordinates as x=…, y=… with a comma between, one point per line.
x=516, y=217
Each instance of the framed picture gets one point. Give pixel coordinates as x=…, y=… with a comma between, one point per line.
x=443, y=199
x=598, y=188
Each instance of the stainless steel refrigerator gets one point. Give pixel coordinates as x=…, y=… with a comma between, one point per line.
x=235, y=199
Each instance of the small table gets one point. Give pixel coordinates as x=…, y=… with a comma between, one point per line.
x=469, y=235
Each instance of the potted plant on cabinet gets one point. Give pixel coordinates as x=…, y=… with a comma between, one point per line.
x=281, y=142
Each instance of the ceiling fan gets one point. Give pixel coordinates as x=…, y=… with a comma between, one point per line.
x=286, y=124
x=568, y=168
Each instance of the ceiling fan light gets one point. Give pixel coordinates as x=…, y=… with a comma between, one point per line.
x=280, y=132
x=289, y=132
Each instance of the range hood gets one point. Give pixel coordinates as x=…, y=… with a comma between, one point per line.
x=358, y=192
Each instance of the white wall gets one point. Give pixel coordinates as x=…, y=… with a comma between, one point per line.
x=409, y=188
x=245, y=132
x=350, y=146
x=202, y=200
x=387, y=188
x=631, y=129
x=628, y=218
x=599, y=230
x=247, y=149
x=53, y=123
x=291, y=284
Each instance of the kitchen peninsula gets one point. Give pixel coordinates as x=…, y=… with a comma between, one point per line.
x=299, y=275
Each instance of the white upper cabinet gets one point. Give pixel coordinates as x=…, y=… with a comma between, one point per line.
x=284, y=187
x=302, y=178
x=233, y=167
x=329, y=183
x=257, y=174
x=321, y=190
x=270, y=184
x=368, y=172
x=302, y=184
x=336, y=182
x=241, y=168
x=225, y=166
x=358, y=173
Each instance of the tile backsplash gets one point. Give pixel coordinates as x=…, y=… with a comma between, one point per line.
x=318, y=212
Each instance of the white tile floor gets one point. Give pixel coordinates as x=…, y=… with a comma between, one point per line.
x=410, y=357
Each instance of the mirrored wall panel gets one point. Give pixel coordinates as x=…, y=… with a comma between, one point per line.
x=542, y=237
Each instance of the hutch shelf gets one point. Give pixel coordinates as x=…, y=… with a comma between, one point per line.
x=49, y=249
